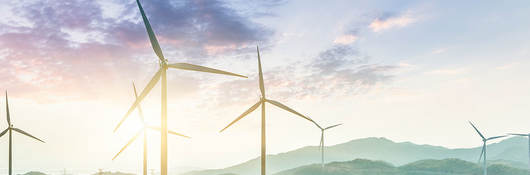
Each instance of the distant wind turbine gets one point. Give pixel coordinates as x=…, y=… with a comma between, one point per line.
x=483, y=152
x=143, y=130
x=161, y=74
x=525, y=135
x=321, y=146
x=10, y=129
x=261, y=103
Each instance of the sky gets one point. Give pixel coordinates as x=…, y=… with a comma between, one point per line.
x=409, y=71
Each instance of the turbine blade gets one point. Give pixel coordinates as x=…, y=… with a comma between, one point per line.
x=7, y=110
x=524, y=135
x=144, y=93
x=318, y=125
x=4, y=132
x=248, y=111
x=477, y=131
x=496, y=137
x=192, y=67
x=329, y=127
x=288, y=109
x=261, y=84
x=152, y=37
x=27, y=134
x=140, y=112
x=128, y=143
x=168, y=131
x=481, y=153
x=178, y=134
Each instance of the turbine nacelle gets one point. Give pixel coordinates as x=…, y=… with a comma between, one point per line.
x=162, y=64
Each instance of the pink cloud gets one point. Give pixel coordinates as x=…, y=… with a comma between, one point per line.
x=345, y=39
x=379, y=24
x=72, y=52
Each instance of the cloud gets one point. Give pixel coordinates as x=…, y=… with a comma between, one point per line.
x=448, y=71
x=203, y=24
x=345, y=39
x=375, y=22
x=77, y=49
x=257, y=8
x=349, y=68
x=439, y=51
x=384, y=23
x=507, y=66
x=335, y=72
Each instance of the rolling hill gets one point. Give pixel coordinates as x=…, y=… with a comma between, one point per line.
x=512, y=151
x=422, y=167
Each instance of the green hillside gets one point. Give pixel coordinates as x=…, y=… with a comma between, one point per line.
x=422, y=167
x=512, y=151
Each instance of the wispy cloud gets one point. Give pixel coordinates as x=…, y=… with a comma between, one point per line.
x=337, y=71
x=345, y=39
x=388, y=22
x=439, y=51
x=448, y=71
x=62, y=43
x=507, y=66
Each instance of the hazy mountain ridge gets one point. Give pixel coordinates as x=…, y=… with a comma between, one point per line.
x=512, y=151
x=98, y=173
x=34, y=173
x=422, y=167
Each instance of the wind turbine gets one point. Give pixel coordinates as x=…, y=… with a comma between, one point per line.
x=483, y=152
x=261, y=103
x=10, y=129
x=525, y=135
x=161, y=74
x=143, y=130
x=321, y=146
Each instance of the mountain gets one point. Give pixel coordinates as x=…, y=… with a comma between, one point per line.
x=357, y=166
x=34, y=173
x=112, y=173
x=512, y=151
x=422, y=167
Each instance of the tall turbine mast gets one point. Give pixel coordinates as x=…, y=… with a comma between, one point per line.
x=322, y=140
x=484, y=147
x=261, y=103
x=143, y=130
x=10, y=129
x=161, y=74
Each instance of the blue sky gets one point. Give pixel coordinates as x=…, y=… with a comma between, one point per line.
x=409, y=71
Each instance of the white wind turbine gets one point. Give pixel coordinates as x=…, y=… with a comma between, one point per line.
x=525, y=135
x=321, y=146
x=261, y=103
x=10, y=129
x=161, y=74
x=483, y=152
x=143, y=130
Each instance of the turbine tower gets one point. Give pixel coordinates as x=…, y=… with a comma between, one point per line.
x=261, y=103
x=483, y=152
x=525, y=135
x=143, y=130
x=321, y=146
x=10, y=129
x=161, y=74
